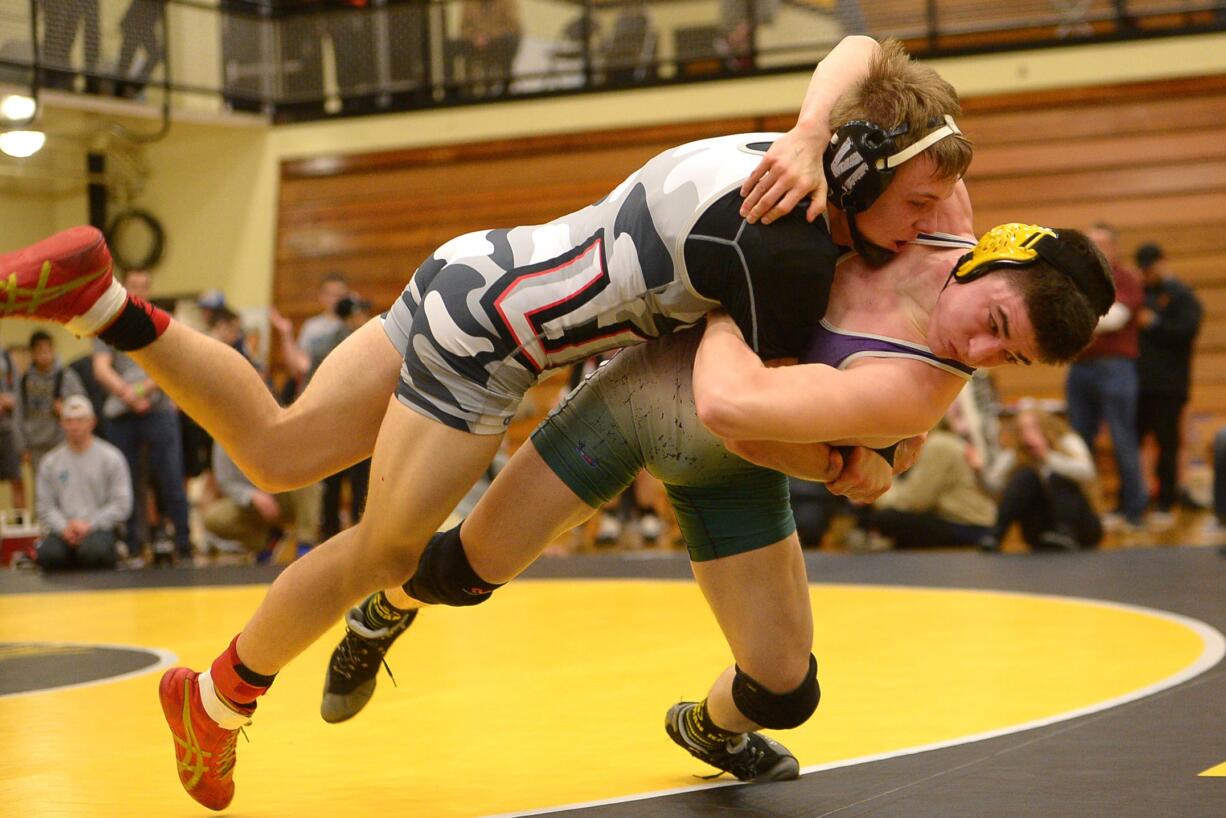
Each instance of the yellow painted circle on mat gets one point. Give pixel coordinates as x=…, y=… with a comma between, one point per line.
x=555, y=693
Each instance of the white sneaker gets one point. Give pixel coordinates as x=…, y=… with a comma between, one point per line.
x=1116, y=523
x=608, y=530
x=650, y=528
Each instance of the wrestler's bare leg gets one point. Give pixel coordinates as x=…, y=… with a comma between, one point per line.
x=421, y=469
x=761, y=600
x=331, y=426
x=524, y=509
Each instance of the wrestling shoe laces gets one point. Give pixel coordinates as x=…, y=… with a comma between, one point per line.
x=205, y=750
x=748, y=756
x=354, y=666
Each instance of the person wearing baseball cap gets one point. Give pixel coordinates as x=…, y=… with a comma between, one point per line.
x=84, y=494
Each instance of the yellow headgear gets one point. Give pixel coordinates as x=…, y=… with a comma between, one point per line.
x=1019, y=245
x=1011, y=243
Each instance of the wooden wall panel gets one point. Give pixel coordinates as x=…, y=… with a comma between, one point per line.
x=1148, y=157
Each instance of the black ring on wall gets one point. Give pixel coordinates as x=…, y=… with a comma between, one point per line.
x=158, y=243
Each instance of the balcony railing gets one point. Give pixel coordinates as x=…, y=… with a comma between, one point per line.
x=327, y=60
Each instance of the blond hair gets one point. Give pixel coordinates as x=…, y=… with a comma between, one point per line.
x=899, y=90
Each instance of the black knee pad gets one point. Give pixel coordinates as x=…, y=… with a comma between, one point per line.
x=778, y=711
x=444, y=575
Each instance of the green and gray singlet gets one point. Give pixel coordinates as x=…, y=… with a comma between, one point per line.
x=637, y=412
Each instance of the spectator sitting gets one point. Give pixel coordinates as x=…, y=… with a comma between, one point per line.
x=84, y=494
x=939, y=501
x=43, y=388
x=1046, y=476
x=1169, y=322
x=629, y=51
x=253, y=517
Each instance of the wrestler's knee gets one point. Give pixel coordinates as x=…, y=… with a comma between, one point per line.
x=775, y=710
x=444, y=575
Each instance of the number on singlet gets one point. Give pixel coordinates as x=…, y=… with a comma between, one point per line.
x=551, y=308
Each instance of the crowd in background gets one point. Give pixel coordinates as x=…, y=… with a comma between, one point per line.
x=113, y=461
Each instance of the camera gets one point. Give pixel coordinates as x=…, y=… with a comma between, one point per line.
x=351, y=304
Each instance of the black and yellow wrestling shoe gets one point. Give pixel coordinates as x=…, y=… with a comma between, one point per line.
x=355, y=663
x=748, y=756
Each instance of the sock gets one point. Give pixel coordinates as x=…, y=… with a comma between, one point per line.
x=704, y=731
x=237, y=683
x=379, y=613
x=136, y=326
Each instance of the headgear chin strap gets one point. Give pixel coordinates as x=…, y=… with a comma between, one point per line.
x=860, y=163
x=1020, y=245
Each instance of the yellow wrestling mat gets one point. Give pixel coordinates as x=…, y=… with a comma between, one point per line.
x=555, y=692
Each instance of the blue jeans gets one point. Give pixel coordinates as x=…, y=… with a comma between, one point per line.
x=96, y=550
x=157, y=433
x=1106, y=389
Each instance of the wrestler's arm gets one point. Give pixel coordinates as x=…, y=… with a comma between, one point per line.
x=792, y=168
x=739, y=398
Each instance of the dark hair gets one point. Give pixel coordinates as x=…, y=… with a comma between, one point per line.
x=334, y=277
x=38, y=336
x=221, y=315
x=1060, y=312
x=1149, y=253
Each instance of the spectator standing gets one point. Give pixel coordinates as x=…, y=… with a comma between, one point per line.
x=84, y=494
x=353, y=48
x=1169, y=323
x=1045, y=478
x=11, y=443
x=42, y=389
x=1102, y=383
x=143, y=422
x=320, y=332
x=253, y=517
x=490, y=31
x=62, y=19
x=139, y=28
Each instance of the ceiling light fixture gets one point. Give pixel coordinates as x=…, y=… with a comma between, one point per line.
x=17, y=108
x=22, y=143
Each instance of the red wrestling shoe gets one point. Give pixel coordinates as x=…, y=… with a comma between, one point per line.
x=204, y=749
x=66, y=278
